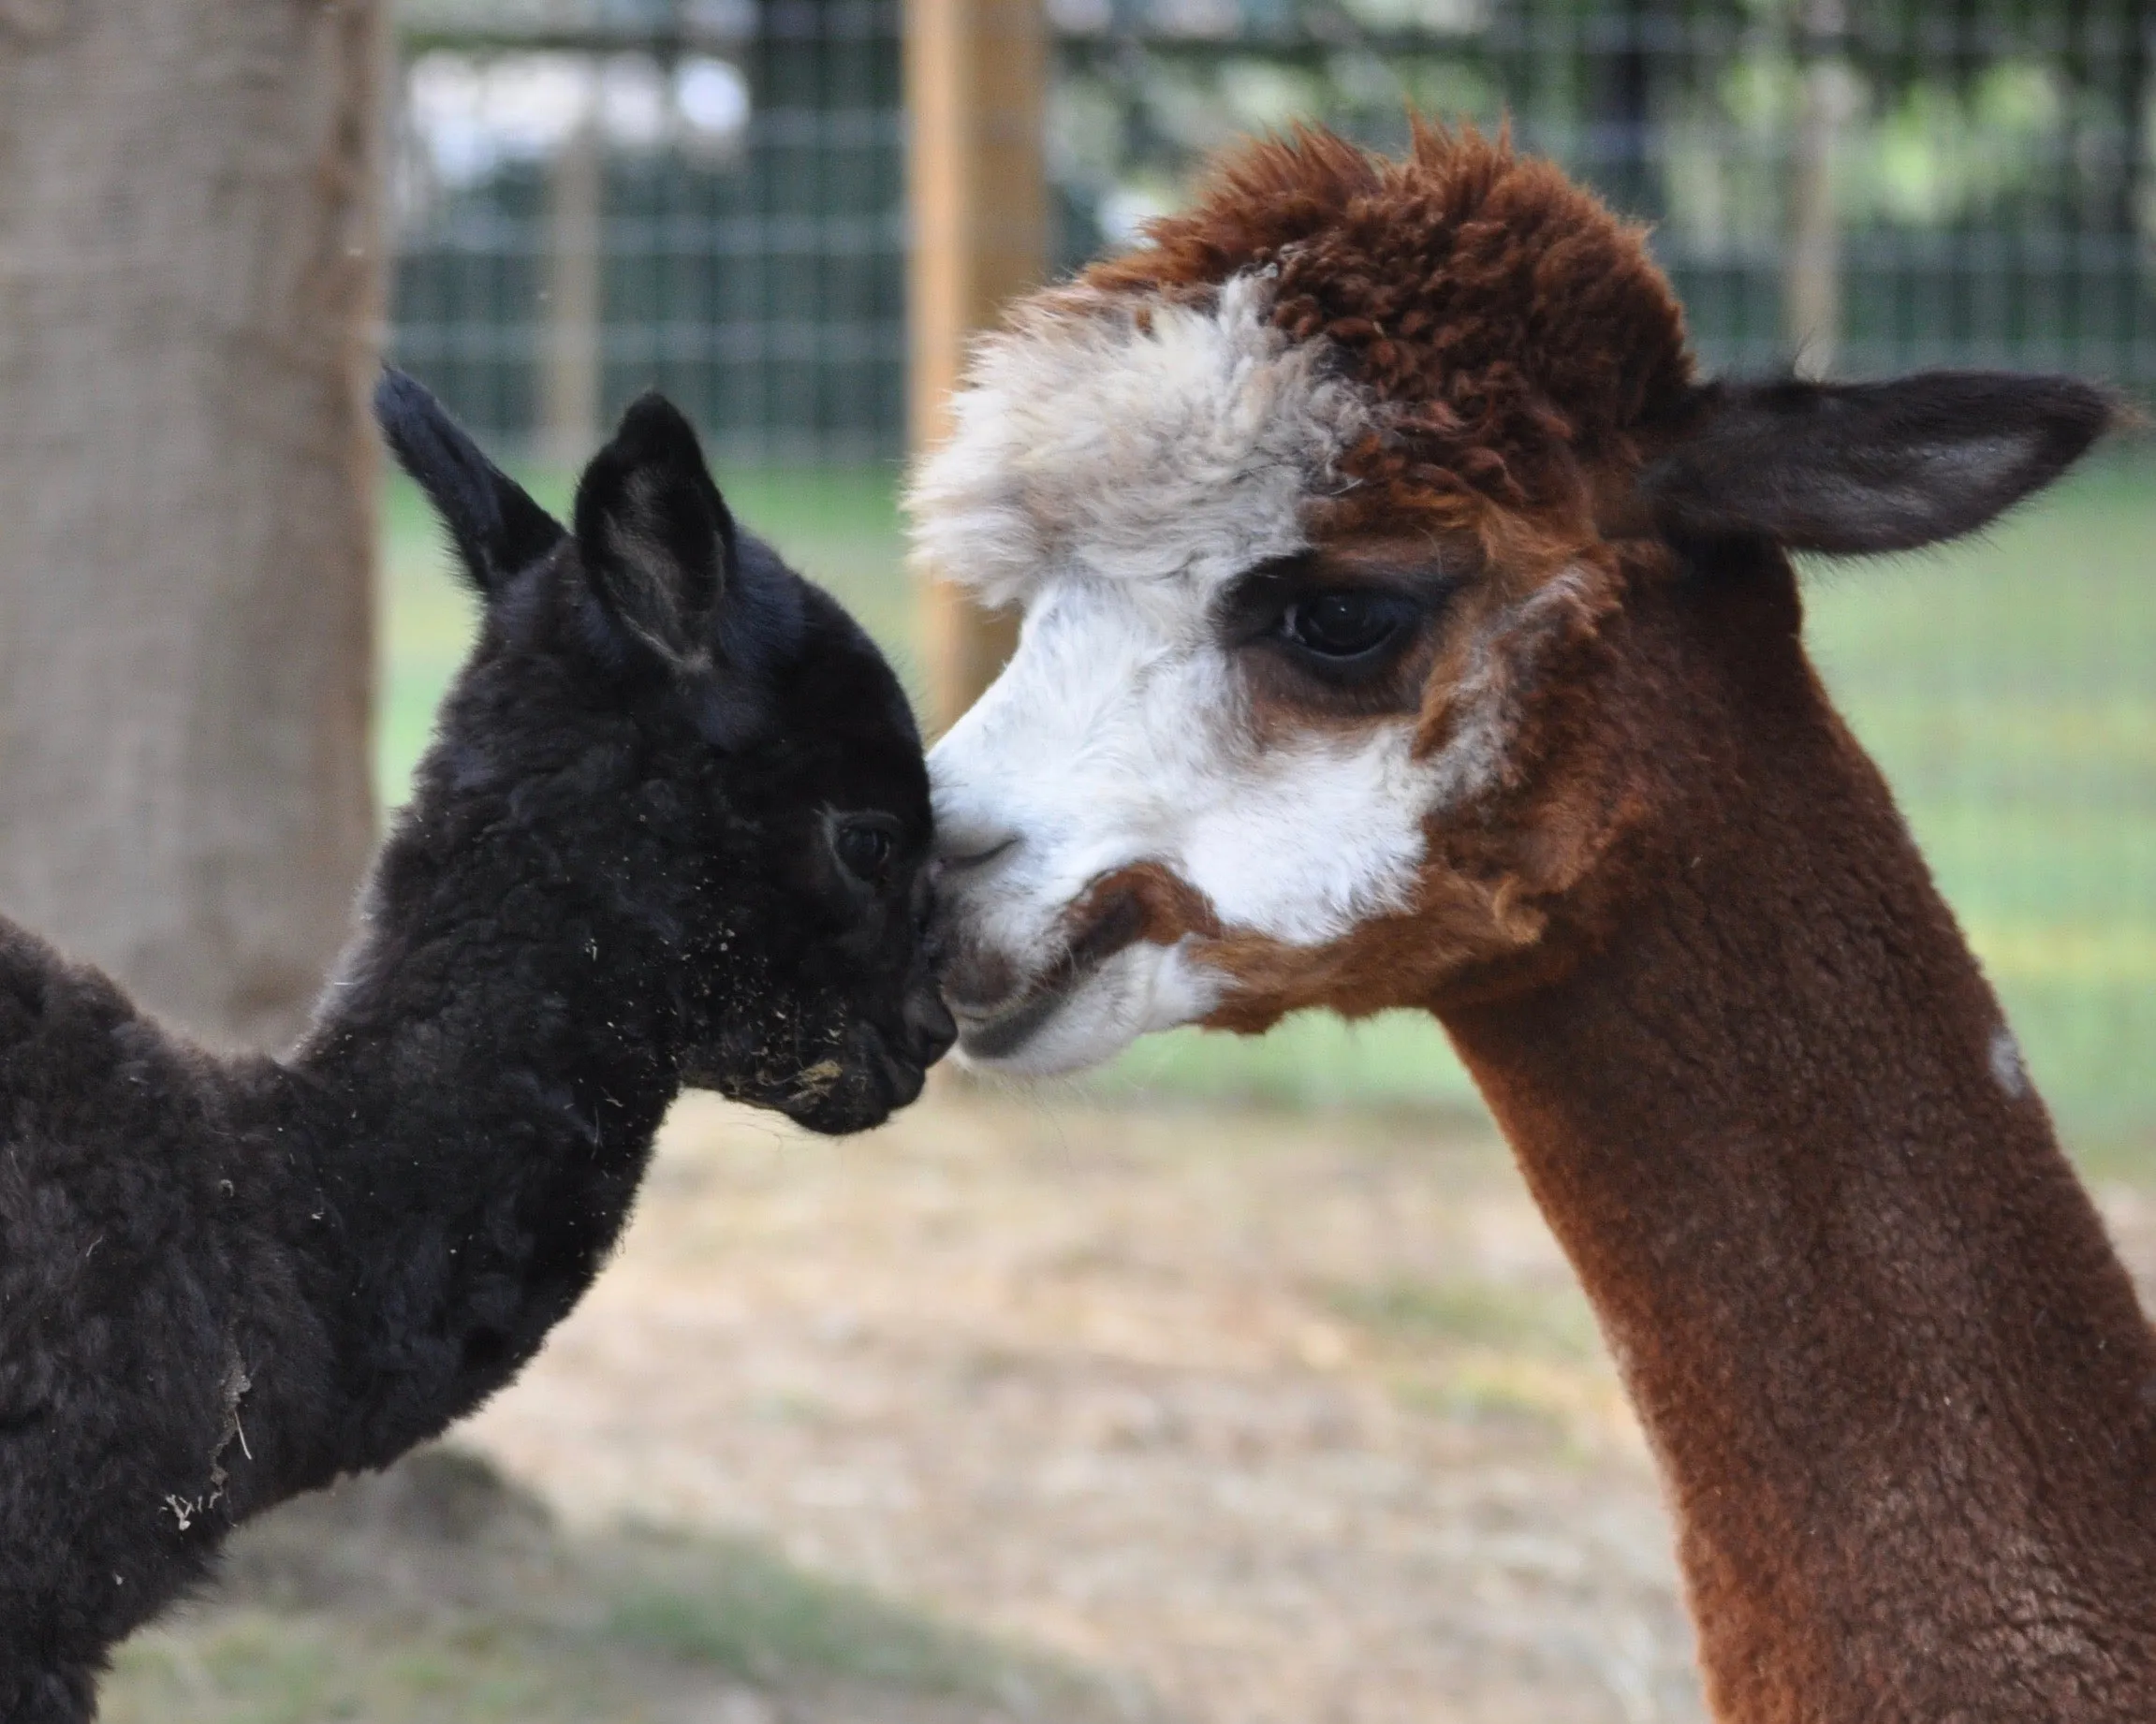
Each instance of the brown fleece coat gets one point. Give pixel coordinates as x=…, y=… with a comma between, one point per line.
x=1897, y=1380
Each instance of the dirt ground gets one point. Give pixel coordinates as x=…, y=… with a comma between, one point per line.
x=1293, y=1420
x=1230, y=1418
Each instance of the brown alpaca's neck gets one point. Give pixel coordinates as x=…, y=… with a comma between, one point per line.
x=1897, y=1380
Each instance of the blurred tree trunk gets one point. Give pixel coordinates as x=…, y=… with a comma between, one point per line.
x=190, y=290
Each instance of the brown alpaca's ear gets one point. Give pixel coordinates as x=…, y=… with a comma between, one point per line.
x=1856, y=467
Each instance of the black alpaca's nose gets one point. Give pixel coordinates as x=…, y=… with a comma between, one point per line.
x=930, y=1030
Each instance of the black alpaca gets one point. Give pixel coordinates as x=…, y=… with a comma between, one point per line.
x=672, y=831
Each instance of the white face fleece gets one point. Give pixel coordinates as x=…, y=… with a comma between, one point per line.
x=1113, y=470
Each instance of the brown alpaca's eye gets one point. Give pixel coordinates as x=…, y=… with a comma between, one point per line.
x=1344, y=626
x=864, y=850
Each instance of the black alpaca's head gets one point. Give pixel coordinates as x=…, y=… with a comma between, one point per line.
x=664, y=723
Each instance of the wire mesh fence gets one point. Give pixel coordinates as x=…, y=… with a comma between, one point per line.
x=595, y=197
x=593, y=194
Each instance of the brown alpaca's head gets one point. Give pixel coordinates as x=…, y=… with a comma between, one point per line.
x=1320, y=508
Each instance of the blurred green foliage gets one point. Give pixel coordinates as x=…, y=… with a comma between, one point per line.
x=1991, y=164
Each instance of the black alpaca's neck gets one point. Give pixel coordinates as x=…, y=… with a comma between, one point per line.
x=1895, y=1375
x=480, y=1094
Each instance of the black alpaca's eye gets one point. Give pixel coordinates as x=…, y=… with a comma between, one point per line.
x=1343, y=625
x=864, y=850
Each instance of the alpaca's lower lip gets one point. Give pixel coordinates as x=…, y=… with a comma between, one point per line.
x=998, y=1035
x=1116, y=922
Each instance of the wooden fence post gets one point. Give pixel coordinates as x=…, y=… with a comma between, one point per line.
x=1812, y=262
x=572, y=366
x=977, y=189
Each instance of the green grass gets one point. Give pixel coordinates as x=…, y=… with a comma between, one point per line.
x=730, y=1605
x=254, y=1666
x=333, y=1608
x=2007, y=685
x=1413, y=1312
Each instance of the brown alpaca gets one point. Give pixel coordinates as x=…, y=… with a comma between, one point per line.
x=1406, y=625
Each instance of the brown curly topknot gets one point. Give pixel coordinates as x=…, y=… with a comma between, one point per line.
x=1516, y=325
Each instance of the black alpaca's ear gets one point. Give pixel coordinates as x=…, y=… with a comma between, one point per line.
x=656, y=538
x=1856, y=467
x=497, y=527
